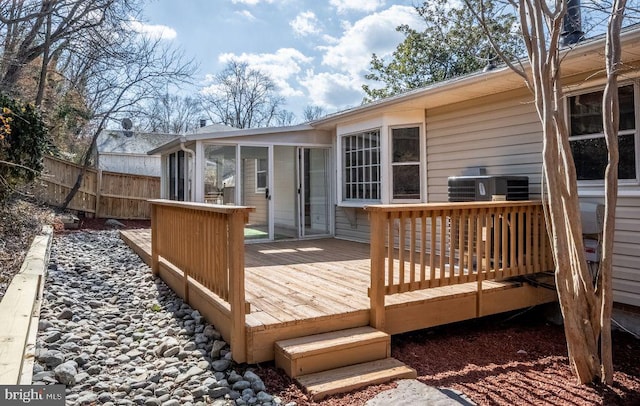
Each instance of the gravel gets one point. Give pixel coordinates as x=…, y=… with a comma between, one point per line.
x=115, y=334
x=132, y=341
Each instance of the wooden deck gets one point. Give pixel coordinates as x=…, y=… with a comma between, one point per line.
x=298, y=288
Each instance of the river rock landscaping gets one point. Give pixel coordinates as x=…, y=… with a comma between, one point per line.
x=117, y=335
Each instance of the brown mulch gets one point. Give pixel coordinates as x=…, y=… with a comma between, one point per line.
x=20, y=221
x=99, y=224
x=494, y=362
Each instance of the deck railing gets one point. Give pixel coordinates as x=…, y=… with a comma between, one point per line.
x=430, y=245
x=206, y=242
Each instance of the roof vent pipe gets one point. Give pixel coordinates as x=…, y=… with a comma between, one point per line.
x=572, y=24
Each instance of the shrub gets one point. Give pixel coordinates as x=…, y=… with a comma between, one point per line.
x=23, y=142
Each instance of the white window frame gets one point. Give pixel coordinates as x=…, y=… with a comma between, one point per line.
x=258, y=188
x=419, y=163
x=344, y=201
x=635, y=132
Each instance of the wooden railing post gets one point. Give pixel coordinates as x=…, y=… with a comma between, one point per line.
x=377, y=291
x=236, y=285
x=155, y=264
x=98, y=192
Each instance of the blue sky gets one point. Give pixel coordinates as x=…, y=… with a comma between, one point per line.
x=317, y=52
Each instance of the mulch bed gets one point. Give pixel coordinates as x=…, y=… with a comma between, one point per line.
x=494, y=362
x=20, y=221
x=99, y=224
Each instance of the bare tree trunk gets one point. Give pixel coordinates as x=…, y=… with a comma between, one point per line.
x=85, y=165
x=610, y=120
x=42, y=82
x=586, y=308
x=573, y=281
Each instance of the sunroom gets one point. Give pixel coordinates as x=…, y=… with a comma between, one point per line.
x=284, y=173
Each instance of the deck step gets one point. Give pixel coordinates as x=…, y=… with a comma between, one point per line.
x=321, y=352
x=322, y=384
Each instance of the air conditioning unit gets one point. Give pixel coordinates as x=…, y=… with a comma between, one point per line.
x=484, y=188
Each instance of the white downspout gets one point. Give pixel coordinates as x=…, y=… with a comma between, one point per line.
x=183, y=139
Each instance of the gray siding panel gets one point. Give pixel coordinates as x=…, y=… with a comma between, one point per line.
x=500, y=135
x=352, y=224
x=504, y=136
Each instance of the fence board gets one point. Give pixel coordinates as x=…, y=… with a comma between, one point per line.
x=105, y=194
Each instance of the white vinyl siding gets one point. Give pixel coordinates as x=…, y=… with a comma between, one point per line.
x=148, y=165
x=352, y=224
x=500, y=134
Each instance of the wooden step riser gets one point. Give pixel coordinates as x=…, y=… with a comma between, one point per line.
x=320, y=352
x=322, y=384
x=332, y=358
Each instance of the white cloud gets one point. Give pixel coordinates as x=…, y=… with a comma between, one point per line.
x=365, y=6
x=305, y=23
x=250, y=2
x=246, y=14
x=332, y=91
x=375, y=33
x=282, y=66
x=154, y=31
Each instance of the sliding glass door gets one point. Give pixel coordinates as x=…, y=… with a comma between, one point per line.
x=313, y=191
x=256, y=191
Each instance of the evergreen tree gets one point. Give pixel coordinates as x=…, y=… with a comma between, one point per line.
x=452, y=44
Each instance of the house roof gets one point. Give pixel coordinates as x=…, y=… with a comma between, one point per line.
x=232, y=133
x=130, y=142
x=586, y=56
x=214, y=128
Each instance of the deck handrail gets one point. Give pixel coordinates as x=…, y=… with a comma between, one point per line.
x=419, y=246
x=206, y=242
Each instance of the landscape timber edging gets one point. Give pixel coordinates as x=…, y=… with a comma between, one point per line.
x=20, y=313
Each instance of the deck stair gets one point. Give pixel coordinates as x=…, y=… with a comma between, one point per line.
x=340, y=361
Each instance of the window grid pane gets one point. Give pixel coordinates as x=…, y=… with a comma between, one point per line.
x=587, y=139
x=405, y=163
x=361, y=168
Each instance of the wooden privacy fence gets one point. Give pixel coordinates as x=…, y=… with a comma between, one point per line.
x=430, y=245
x=206, y=242
x=105, y=194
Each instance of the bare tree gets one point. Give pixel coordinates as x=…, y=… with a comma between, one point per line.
x=284, y=118
x=242, y=97
x=170, y=113
x=610, y=120
x=311, y=113
x=32, y=29
x=117, y=72
x=585, y=304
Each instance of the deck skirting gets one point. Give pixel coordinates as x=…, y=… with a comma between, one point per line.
x=301, y=288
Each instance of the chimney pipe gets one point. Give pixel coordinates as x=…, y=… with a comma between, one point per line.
x=203, y=122
x=572, y=24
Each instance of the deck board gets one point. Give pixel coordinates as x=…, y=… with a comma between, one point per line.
x=296, y=287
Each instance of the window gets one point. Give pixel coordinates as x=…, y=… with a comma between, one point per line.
x=361, y=166
x=176, y=176
x=587, y=138
x=405, y=163
x=261, y=175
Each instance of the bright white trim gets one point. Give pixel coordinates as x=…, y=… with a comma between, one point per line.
x=622, y=192
x=358, y=204
x=340, y=168
x=596, y=87
x=420, y=162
